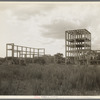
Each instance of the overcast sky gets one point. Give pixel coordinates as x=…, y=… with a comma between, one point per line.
x=43, y=24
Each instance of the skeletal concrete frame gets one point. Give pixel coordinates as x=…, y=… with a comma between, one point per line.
x=77, y=42
x=23, y=52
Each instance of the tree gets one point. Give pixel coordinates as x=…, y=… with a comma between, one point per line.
x=58, y=58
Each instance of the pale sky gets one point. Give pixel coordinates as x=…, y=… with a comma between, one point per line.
x=43, y=24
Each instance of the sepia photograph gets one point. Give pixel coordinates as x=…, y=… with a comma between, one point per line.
x=49, y=48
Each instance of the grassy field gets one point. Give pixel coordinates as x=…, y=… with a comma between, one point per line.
x=52, y=79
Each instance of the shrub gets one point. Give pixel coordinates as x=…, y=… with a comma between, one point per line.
x=40, y=61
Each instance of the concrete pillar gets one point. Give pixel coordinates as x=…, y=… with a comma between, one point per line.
x=12, y=50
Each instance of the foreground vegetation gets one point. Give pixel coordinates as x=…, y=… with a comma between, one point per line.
x=49, y=79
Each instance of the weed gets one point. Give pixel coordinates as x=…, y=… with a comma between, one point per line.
x=51, y=79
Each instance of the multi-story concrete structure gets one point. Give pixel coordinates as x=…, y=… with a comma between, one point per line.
x=77, y=43
x=22, y=52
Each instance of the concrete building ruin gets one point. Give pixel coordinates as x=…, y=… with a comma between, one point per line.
x=78, y=48
x=22, y=52
x=77, y=43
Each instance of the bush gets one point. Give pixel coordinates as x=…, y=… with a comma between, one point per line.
x=40, y=61
x=15, y=60
x=2, y=60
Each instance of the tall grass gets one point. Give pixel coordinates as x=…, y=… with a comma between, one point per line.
x=52, y=79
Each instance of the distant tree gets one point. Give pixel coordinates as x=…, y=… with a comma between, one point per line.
x=58, y=58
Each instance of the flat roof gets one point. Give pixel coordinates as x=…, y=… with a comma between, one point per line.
x=78, y=31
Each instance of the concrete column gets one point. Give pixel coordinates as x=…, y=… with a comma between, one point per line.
x=12, y=50
x=65, y=48
x=30, y=52
x=17, y=51
x=6, y=50
x=38, y=53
